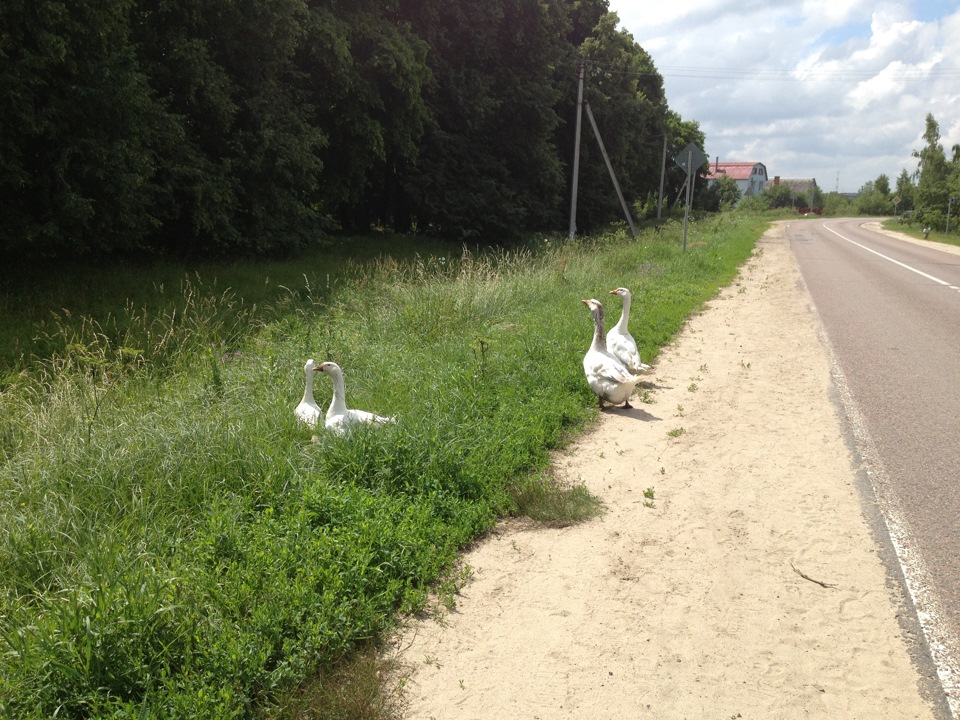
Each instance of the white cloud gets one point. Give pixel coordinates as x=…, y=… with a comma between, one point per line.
x=811, y=88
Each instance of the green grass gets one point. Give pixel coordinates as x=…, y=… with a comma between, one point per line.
x=915, y=230
x=173, y=544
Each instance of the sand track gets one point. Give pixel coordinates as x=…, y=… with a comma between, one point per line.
x=752, y=588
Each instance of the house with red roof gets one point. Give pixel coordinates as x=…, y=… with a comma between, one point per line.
x=751, y=177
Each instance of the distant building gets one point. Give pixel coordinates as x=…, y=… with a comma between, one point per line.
x=800, y=186
x=751, y=177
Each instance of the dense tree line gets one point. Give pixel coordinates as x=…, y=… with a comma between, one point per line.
x=256, y=126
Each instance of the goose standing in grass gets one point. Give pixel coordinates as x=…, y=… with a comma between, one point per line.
x=607, y=376
x=620, y=341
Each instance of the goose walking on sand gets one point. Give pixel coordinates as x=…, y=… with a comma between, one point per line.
x=338, y=417
x=607, y=376
x=619, y=340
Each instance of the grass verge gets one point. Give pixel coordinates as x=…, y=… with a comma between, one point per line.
x=173, y=544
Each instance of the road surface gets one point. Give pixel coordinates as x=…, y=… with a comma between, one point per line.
x=891, y=312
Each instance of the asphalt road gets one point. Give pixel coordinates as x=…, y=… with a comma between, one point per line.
x=891, y=312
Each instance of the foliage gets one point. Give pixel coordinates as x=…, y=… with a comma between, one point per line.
x=173, y=544
x=779, y=196
x=487, y=165
x=872, y=202
x=905, y=191
x=934, y=187
x=835, y=205
x=80, y=130
x=817, y=199
x=882, y=184
x=724, y=194
x=754, y=203
x=201, y=128
x=625, y=94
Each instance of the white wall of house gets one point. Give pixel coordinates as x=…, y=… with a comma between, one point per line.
x=755, y=184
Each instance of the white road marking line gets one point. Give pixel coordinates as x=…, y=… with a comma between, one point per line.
x=895, y=262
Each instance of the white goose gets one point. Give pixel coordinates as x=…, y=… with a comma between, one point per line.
x=339, y=417
x=621, y=342
x=308, y=411
x=607, y=376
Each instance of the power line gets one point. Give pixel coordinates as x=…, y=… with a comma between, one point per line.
x=795, y=74
x=784, y=74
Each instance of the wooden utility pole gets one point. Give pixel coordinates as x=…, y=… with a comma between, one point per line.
x=576, y=151
x=686, y=209
x=663, y=172
x=606, y=159
x=581, y=66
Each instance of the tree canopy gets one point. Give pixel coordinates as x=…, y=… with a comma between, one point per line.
x=203, y=126
x=938, y=179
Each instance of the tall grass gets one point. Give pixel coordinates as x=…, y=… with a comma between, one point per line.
x=173, y=544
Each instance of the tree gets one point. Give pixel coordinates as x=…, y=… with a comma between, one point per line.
x=835, y=205
x=80, y=131
x=882, y=185
x=816, y=197
x=932, y=190
x=726, y=192
x=872, y=202
x=779, y=196
x=243, y=173
x=625, y=94
x=905, y=191
x=487, y=166
x=203, y=126
x=368, y=77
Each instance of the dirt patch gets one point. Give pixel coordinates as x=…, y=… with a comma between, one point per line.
x=750, y=588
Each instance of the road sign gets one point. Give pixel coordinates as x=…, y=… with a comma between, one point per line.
x=691, y=155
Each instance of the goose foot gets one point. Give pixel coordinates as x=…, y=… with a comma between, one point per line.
x=627, y=405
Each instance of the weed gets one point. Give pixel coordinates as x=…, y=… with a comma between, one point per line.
x=363, y=685
x=692, y=387
x=545, y=499
x=676, y=432
x=648, y=496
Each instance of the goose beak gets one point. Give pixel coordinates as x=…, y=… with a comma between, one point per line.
x=585, y=302
x=614, y=292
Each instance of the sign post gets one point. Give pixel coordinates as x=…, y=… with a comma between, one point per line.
x=691, y=159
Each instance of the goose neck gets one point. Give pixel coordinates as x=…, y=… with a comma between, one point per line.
x=339, y=402
x=624, y=316
x=599, y=335
x=308, y=388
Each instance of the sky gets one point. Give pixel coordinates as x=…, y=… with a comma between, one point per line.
x=836, y=90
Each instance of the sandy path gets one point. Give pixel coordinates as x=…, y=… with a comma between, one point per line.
x=752, y=588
